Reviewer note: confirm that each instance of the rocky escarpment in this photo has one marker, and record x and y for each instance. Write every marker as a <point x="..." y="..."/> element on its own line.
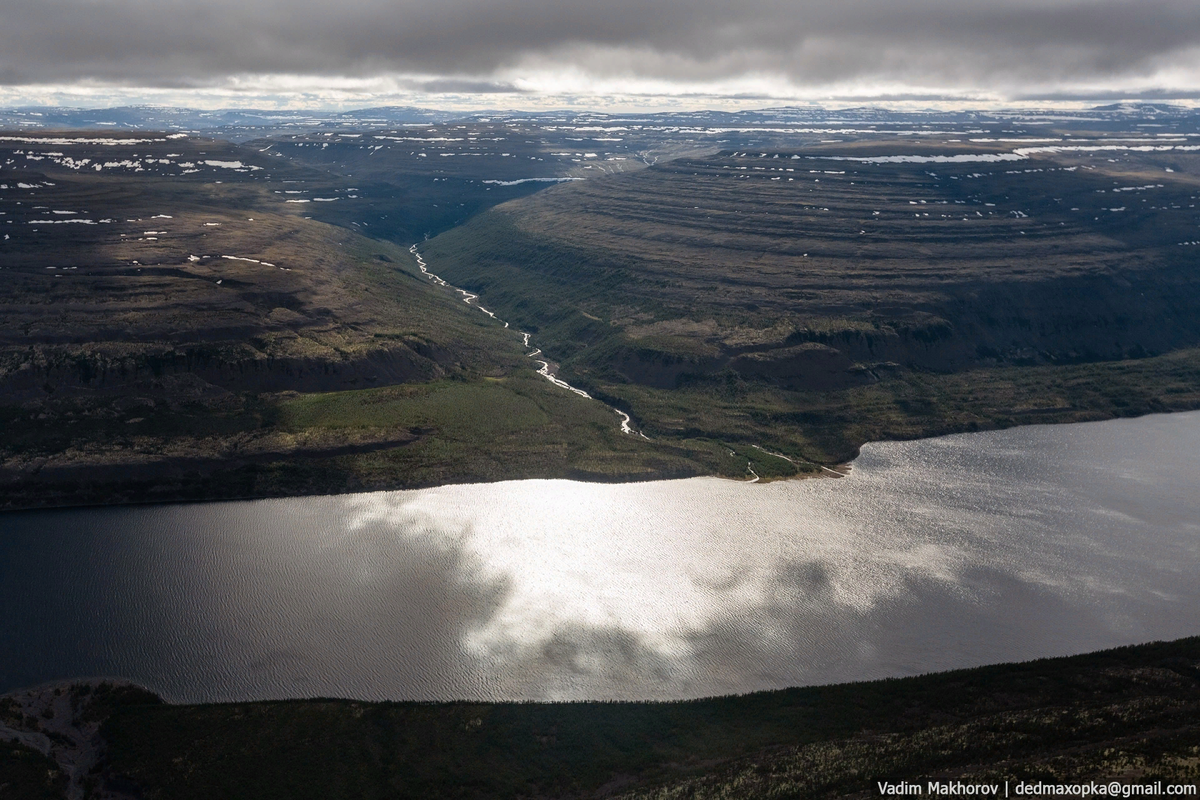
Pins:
<point x="1062" y="321"/>
<point x="707" y="267"/>
<point x="170" y="275"/>
<point x="109" y="369"/>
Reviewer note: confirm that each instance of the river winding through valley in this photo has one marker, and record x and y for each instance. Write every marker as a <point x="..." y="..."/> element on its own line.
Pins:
<point x="546" y="370"/>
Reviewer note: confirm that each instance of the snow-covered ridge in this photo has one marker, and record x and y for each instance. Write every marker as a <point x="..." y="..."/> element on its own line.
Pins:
<point x="62" y="141"/>
<point x="532" y="180"/>
<point x="134" y="163"/>
<point x="237" y="165"/>
<point x="1019" y="154"/>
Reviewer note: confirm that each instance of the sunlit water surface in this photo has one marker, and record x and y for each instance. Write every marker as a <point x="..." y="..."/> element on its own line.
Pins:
<point x="933" y="554"/>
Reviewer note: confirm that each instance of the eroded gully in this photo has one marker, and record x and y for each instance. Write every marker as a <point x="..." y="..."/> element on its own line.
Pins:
<point x="546" y="370"/>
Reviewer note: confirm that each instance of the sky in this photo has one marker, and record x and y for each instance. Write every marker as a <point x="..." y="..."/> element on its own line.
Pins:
<point x="618" y="53"/>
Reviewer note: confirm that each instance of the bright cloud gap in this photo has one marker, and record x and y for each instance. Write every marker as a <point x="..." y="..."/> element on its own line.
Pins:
<point x="290" y="92"/>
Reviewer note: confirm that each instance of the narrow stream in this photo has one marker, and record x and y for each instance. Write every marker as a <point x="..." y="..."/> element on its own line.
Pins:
<point x="546" y="370"/>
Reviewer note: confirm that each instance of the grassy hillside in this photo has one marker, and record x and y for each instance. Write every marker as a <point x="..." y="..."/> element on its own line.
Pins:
<point x="175" y="326"/>
<point x="1128" y="715"/>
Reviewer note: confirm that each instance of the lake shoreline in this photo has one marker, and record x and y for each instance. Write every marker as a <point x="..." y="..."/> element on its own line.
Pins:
<point x="82" y="494"/>
<point x="119" y="736"/>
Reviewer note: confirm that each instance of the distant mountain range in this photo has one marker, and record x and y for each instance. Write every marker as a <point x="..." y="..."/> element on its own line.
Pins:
<point x="190" y="119"/>
<point x="240" y="122"/>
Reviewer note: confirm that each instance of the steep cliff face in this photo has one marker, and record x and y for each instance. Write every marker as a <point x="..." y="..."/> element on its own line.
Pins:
<point x="38" y="372"/>
<point x="728" y="264"/>
<point x="810" y="365"/>
<point x="806" y="366"/>
<point x="1060" y="321"/>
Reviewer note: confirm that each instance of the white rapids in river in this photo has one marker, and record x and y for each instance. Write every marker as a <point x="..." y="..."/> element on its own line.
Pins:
<point x="545" y="370"/>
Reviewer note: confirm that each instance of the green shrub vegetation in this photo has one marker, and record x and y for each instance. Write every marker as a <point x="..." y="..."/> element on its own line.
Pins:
<point x="1129" y="714"/>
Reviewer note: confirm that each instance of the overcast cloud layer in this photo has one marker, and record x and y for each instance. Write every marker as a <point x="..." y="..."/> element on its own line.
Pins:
<point x="1004" y="47"/>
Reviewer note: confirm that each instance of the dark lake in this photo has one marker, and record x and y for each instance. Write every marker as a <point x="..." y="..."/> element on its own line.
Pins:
<point x="933" y="554"/>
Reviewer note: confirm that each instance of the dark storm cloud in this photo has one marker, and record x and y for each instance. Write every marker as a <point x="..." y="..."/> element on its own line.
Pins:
<point x="1149" y="96"/>
<point x="930" y="42"/>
